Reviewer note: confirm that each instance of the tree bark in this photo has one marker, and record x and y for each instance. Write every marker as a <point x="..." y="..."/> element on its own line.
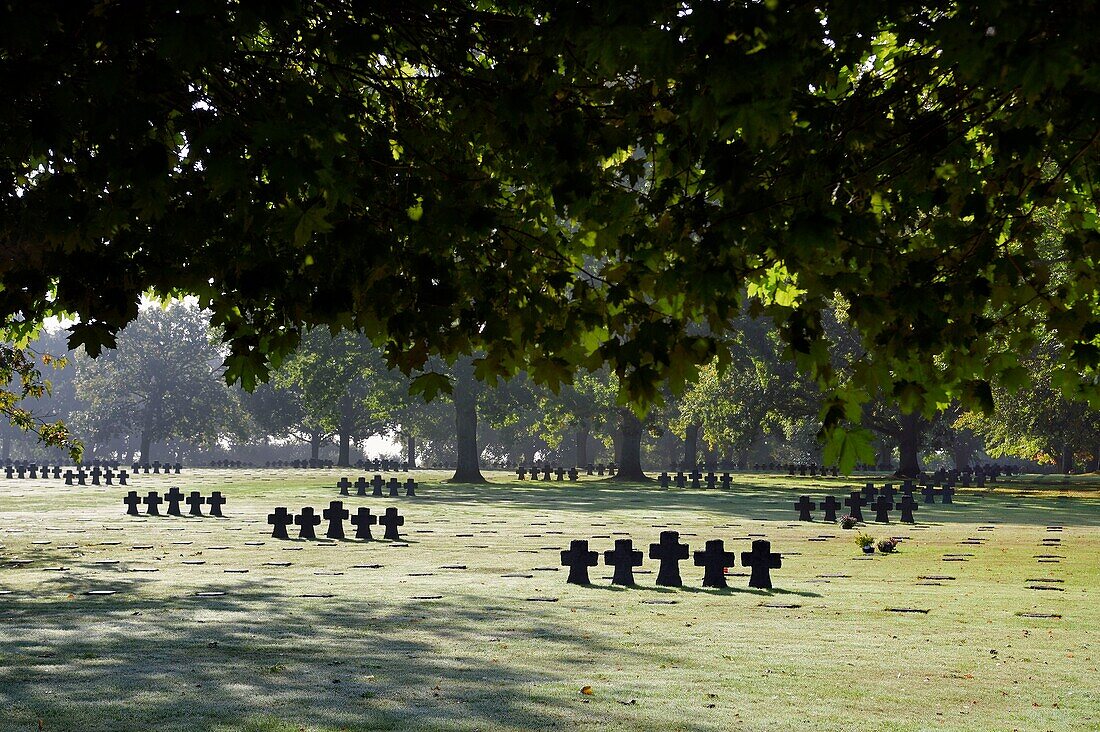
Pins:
<point x="630" y="456"/>
<point x="1067" y="458"/>
<point x="691" y="447"/>
<point x="410" y="451"/>
<point x="465" y="396"/>
<point x="912" y="430"/>
<point x="314" y="446"/>
<point x="582" y="445"/>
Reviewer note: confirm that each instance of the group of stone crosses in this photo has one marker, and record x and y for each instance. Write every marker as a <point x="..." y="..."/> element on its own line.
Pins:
<point x="97" y="475"/>
<point x="173" y="498"/>
<point x="670" y="552"/>
<point x="377" y="484"/>
<point x="881" y="501"/>
<point x="572" y="473"/>
<point x="812" y="470"/>
<point x="335" y="514"/>
<point x="156" y="468"/>
<point x="695" y="479"/>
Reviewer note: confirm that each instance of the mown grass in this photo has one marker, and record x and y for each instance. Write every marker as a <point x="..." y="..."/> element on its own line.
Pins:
<point x="324" y="645"/>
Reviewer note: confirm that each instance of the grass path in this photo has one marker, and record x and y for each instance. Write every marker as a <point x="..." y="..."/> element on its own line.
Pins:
<point x="469" y="624"/>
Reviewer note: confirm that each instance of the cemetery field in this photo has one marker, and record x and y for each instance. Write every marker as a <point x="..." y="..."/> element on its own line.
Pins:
<point x="985" y="619"/>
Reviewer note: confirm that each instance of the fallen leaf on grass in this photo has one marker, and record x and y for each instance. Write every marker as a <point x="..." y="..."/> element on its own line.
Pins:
<point x="586" y="690"/>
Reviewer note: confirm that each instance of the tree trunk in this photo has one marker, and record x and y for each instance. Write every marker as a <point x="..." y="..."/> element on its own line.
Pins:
<point x="630" y="456"/>
<point x="314" y="446"/>
<point x="147" y="422"/>
<point x="912" y="430"/>
<point x="582" y="446"/>
<point x="344" y="458"/>
<point x="1067" y="458"/>
<point x="465" y="397"/>
<point x="884" y="456"/>
<point x="691" y="447"/>
<point x="410" y="451"/>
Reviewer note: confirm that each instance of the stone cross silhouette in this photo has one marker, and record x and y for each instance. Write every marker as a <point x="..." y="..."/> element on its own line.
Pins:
<point x="307" y="519"/>
<point x="195" y="501"/>
<point x="377" y="483"/>
<point x="883" y="506"/>
<point x="279" y="521"/>
<point x="335" y="515"/>
<point x="363" y="520"/>
<point x="762" y="561"/>
<point x="395" y="488"/>
<point x="391" y="520"/>
<point x="929" y="494"/>
<point x="152" y="501"/>
<point x="948" y="493"/>
<point x="854" y="502"/>
<point x="361" y="486"/>
<point x="410" y="488"/>
<point x="343" y="485"/>
<point x="669" y="551"/>
<point x="131" y="500"/>
<point x="578" y="558"/>
<point x="907" y="505"/>
<point x="624" y="557"/>
<point x="215" y="502"/>
<point x="714" y="560"/>
<point x="804" y="506"/>
<point x="174" y="497"/>
<point x="830" y="505"/>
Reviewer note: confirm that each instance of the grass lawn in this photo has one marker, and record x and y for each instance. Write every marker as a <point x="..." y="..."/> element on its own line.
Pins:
<point x="469" y="624"/>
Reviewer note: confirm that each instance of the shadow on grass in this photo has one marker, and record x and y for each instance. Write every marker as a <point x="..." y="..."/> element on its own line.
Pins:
<point x="256" y="658"/>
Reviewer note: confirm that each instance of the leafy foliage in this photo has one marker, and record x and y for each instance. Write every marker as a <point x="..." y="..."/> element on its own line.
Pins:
<point x="563" y="187"/>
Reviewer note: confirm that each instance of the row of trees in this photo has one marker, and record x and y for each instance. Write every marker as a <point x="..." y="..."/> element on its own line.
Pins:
<point x="161" y="394"/>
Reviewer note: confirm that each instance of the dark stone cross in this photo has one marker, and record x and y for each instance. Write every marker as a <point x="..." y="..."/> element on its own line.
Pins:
<point x="377" y="483"/>
<point x="573" y="474"/>
<point x="670" y="552"/>
<point x="81" y="477"/>
<point x="34" y="471"/>
<point x="830" y="505"/>
<point x="727" y="479"/>
<point x="362" y="521"/>
<point x="108" y="477"/>
<point x="546" y="472"/>
<point x="762" y="561"/>
<point x="560" y="473"/>
<point x="96" y="473"/>
<point x="869" y="493"/>
<point x="681" y="479"/>
<point x="929" y="494"/>
<point x="307" y="519"/>
<point x="889" y="492"/>
<point x="122" y="477"/>
<point x="521" y="472"/>
<point x="410" y="488"/>
<point x="215" y="501"/>
<point x="279" y="521"/>
<point x="22" y="471"/>
<point x="395" y="488"/>
<point x="695" y="476"/>
<point x="131" y="500"/>
<point x="578" y="558"/>
<point x="343" y="485"/>
<point x="712" y="481"/>
<point x="907" y="506"/>
<point x="854" y="502"/>
<point x="624" y="557"/>
<point x="335" y="515"/>
<point x="152" y="501"/>
<point x="663" y="480"/>
<point x="361" y="486"/>
<point x="804" y="506"/>
<point x="714" y="560"/>
<point x="68" y="476"/>
<point x="883" y="506"/>
<point x="391" y="520"/>
<point x="195" y="501"/>
<point x="173" y="496"/>
<point x="948" y="493"/>
<point x="9" y="471"/>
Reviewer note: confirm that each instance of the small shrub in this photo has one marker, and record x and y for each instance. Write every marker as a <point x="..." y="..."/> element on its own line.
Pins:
<point x="864" y="540"/>
<point x="848" y="521"/>
<point x="887" y="546"/>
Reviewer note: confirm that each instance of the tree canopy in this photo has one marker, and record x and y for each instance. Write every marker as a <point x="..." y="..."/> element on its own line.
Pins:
<point x="566" y="186"/>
